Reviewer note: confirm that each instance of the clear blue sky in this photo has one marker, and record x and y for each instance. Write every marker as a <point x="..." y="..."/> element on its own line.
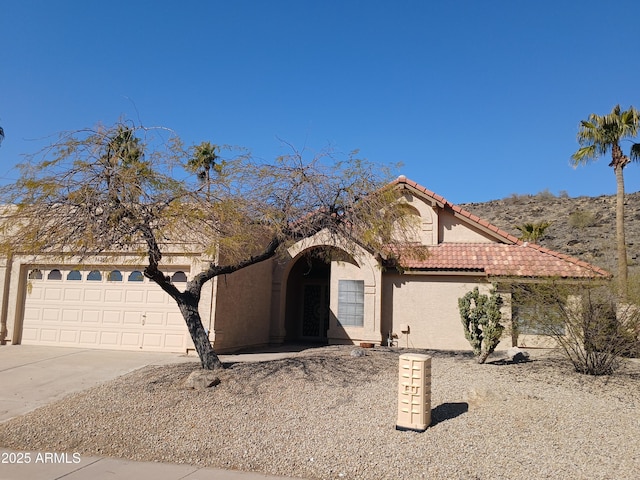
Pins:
<point x="478" y="99"/>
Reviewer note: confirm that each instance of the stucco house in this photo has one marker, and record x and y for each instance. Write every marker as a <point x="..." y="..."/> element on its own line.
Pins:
<point x="353" y="297"/>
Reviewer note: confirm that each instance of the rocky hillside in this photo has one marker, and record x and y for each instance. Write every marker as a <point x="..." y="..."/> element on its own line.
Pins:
<point x="583" y="227"/>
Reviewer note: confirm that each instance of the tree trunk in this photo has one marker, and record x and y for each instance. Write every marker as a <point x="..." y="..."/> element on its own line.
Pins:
<point x="620" y="235"/>
<point x="189" y="309"/>
<point x="482" y="357"/>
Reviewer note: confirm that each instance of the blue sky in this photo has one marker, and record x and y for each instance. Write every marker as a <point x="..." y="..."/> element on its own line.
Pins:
<point x="478" y="99"/>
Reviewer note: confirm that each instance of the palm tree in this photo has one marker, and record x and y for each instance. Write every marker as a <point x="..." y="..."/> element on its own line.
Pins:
<point x="204" y="160"/>
<point x="597" y="136"/>
<point x="532" y="232"/>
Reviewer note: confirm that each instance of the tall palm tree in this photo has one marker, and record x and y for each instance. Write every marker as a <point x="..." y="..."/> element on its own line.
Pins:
<point x="597" y="136"/>
<point x="204" y="161"/>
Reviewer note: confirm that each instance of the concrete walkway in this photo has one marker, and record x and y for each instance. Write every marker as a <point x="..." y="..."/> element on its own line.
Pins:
<point x="50" y="466"/>
<point x="33" y="376"/>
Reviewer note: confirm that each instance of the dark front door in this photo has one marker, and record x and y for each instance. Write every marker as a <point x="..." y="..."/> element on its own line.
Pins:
<point x="315" y="311"/>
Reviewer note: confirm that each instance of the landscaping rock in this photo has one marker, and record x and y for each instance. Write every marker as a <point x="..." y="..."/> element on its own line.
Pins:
<point x="517" y="355"/>
<point x="201" y="380"/>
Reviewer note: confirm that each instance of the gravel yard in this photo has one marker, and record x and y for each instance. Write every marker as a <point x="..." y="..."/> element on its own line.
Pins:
<point x="324" y="414"/>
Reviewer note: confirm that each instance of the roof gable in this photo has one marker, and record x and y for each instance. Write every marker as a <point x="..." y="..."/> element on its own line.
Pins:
<point x="505" y="256"/>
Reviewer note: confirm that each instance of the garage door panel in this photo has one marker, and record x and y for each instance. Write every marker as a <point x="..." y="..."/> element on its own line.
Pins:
<point x="175" y="319"/>
<point x="50" y="314"/>
<point x="36" y="291"/>
<point x="32" y="314"/>
<point x="89" y="337"/>
<point x="109" y="338"/>
<point x="157" y="298"/>
<point x="152" y="340"/>
<point x="29" y="335"/>
<point x="130" y="339"/>
<point x="48" y="335"/>
<point x="133" y="318"/>
<point x="53" y="294"/>
<point x="69" y="336"/>
<point x="70" y="315"/>
<point x="113" y="296"/>
<point x="91" y="316"/>
<point x="72" y="294"/>
<point x="154" y="318"/>
<point x="111" y="317"/>
<point x="130" y="315"/>
<point x="174" y="341"/>
<point x="134" y="296"/>
<point x="92" y="295"/>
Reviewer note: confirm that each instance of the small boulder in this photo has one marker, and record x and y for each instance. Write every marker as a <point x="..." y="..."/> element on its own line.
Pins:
<point x="517" y="355"/>
<point x="358" y="352"/>
<point x="201" y="380"/>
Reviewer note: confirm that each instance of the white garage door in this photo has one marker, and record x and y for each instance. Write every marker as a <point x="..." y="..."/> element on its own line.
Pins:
<point x="117" y="309"/>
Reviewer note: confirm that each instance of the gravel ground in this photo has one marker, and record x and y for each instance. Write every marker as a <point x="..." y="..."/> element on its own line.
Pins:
<point x="324" y="414"/>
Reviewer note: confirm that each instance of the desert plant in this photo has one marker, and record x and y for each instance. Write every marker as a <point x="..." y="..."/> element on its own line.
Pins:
<point x="581" y="219"/>
<point x="532" y="232"/>
<point x="586" y="321"/>
<point x="481" y="319"/>
<point x="545" y="195"/>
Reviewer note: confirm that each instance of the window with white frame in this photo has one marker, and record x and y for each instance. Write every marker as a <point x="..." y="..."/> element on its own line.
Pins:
<point x="351" y="303"/>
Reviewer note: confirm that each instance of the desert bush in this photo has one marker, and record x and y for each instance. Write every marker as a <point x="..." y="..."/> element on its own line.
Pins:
<point x="581" y="219"/>
<point x="517" y="199"/>
<point x="481" y="317"/>
<point x="587" y="322"/>
<point x="545" y="195"/>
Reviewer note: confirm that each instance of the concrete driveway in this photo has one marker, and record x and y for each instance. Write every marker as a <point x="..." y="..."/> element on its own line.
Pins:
<point x="32" y="376"/>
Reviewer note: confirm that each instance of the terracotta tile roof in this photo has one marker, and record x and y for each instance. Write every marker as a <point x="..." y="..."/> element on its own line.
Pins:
<point x="499" y="259"/>
<point x="508" y="256"/>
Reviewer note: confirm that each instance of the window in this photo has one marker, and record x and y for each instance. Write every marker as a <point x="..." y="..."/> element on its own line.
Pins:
<point x="179" y="277"/>
<point x="114" y="276"/>
<point x="74" y="275"/>
<point x="94" y="276"/>
<point x="537" y="320"/>
<point x="54" y="275"/>
<point x="135" y="276"/>
<point x="351" y="303"/>
<point x="35" y="274"/>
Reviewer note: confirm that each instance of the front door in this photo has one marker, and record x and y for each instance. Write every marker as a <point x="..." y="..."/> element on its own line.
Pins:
<point x="315" y="311"/>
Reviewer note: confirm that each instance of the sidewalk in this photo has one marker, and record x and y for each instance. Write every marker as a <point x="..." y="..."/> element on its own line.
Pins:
<point x="48" y="466"/>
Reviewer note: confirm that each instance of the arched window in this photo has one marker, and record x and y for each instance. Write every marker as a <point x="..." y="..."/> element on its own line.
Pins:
<point x="94" y="276"/>
<point x="54" y="275"/>
<point x="135" y="276"/>
<point x="114" y="276"/>
<point x="35" y="274"/>
<point x="74" y="275"/>
<point x="179" y="277"/>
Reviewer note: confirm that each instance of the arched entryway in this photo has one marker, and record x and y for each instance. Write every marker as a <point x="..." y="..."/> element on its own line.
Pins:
<point x="307" y="298"/>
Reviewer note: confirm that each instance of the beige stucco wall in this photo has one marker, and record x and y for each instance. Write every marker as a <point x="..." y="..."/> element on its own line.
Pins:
<point x="424" y="228"/>
<point x="370" y="330"/>
<point x="455" y="230"/>
<point x="429" y="306"/>
<point x="243" y="308"/>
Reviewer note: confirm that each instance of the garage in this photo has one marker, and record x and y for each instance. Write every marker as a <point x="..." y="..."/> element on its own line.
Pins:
<point x="114" y="308"/>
